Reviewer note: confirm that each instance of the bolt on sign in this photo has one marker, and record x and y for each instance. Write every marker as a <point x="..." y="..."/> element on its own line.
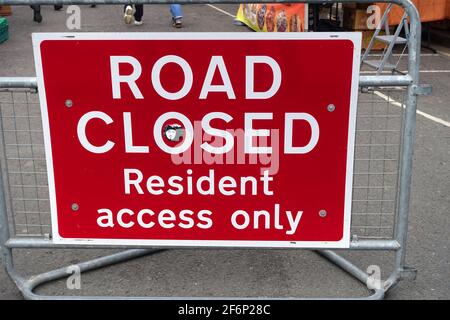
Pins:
<point x="199" y="139"/>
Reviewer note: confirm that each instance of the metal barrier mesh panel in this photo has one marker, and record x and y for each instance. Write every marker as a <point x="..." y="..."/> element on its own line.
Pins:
<point x="377" y="165"/>
<point x="377" y="153"/>
<point x="24" y="162"/>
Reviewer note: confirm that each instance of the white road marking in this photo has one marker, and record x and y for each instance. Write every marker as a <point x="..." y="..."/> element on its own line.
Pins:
<point x="220" y="10"/>
<point x="424" y="114"/>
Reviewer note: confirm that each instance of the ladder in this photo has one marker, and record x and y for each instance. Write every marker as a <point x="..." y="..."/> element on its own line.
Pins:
<point x="390" y="40"/>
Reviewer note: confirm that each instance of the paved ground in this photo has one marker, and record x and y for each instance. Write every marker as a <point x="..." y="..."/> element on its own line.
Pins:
<point x="250" y="272"/>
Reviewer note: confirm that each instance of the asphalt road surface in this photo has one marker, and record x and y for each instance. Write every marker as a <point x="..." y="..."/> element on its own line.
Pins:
<point x="211" y="272"/>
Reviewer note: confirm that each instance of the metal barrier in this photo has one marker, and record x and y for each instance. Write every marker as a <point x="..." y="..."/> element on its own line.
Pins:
<point x="382" y="176"/>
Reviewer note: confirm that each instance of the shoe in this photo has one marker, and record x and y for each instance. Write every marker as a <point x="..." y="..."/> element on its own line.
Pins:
<point x="128" y="15"/>
<point x="37" y="16"/>
<point x="137" y="23"/>
<point x="177" y="22"/>
<point x="57" y="7"/>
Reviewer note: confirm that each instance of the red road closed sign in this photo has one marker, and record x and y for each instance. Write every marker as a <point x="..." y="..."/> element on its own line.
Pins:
<point x="210" y="139"/>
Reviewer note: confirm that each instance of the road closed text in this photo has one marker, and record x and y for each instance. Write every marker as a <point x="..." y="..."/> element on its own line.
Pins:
<point x="217" y="64"/>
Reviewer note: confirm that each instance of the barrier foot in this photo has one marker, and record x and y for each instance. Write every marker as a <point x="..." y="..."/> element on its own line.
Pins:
<point x="354" y="271"/>
<point x="27" y="286"/>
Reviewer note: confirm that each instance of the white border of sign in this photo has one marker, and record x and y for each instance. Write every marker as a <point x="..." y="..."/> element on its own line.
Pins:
<point x="355" y="37"/>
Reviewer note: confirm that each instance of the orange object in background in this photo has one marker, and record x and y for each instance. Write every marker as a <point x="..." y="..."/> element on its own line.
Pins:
<point x="5" y="11"/>
<point x="447" y="5"/>
<point x="429" y="10"/>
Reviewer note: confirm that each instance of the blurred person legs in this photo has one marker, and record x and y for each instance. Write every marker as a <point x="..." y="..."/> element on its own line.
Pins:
<point x="135" y="13"/>
<point x="177" y="15"/>
<point x="128" y="14"/>
<point x="37" y="11"/>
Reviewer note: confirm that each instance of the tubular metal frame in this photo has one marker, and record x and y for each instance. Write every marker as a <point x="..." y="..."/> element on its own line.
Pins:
<point x="397" y="244"/>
